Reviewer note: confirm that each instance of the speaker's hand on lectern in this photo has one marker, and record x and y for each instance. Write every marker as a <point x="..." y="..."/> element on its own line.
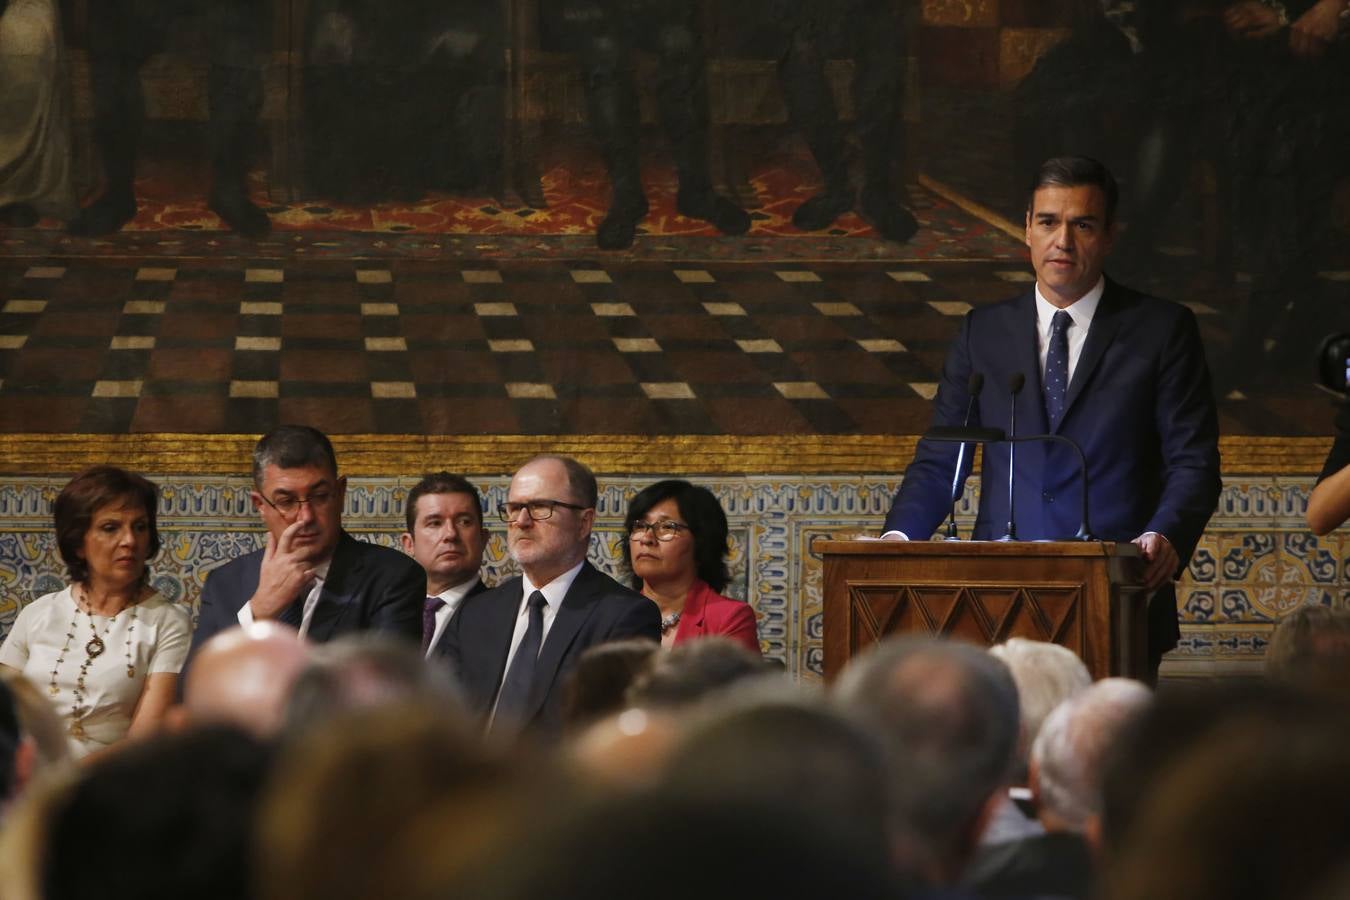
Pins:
<point x="1159" y="555"/>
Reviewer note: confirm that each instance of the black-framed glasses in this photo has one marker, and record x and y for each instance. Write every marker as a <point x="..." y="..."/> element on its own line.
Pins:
<point x="538" y="509"/>
<point x="289" y="506"/>
<point x="664" y="530"/>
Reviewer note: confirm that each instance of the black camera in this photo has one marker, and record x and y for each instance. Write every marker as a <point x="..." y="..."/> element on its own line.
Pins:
<point x="1333" y="363"/>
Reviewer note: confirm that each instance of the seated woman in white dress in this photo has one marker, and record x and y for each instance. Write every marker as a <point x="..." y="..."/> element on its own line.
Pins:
<point x="35" y="158"/>
<point x="107" y="648"/>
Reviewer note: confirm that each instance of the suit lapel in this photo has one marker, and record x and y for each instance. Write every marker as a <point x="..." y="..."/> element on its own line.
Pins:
<point x="695" y="609"/>
<point x="572" y="614"/>
<point x="337" y="597"/>
<point x="1031" y="402"/>
<point x="1105" y="324"/>
<point x="499" y="614"/>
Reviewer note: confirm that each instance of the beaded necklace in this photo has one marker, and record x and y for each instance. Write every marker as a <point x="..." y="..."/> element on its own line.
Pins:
<point x="93" y="649"/>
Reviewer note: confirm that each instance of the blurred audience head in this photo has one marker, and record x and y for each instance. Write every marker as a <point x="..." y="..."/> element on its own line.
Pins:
<point x="1178" y="719"/>
<point x="16" y="754"/>
<point x="668" y="844"/>
<point x="771" y="745"/>
<point x="1256" y="808"/>
<point x="162" y="819"/>
<point x="1046" y="675"/>
<point x="948" y="713"/>
<point x="346" y="810"/>
<point x="693" y="672"/>
<point x="363" y="671"/>
<point x="626" y="750"/>
<point x="39" y="725"/>
<point x="1069" y="753"/>
<point x="597" y="686"/>
<point x="1311" y="648"/>
<point x="243" y="677"/>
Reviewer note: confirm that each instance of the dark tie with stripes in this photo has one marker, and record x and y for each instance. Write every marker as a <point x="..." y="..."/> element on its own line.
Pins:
<point x="430" y="607"/>
<point x="1057" y="367"/>
<point x="515" y="695"/>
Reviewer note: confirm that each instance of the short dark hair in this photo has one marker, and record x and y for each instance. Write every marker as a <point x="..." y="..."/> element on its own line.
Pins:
<point x="706" y="520"/>
<point x="580" y="480"/>
<point x="292" y="447"/>
<point x="439" y="483"/>
<point x="1075" y="171"/>
<point x="694" y="672"/>
<point x="84" y="496"/>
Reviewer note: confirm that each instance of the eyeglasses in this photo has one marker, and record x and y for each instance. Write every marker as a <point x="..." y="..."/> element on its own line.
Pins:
<point x="289" y="506"/>
<point x="538" y="509"/>
<point x="664" y="530"/>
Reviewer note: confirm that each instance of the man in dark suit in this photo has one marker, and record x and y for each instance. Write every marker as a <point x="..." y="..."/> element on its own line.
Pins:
<point x="312" y="575"/>
<point x="1121" y="374"/>
<point x="512" y="646"/>
<point x="447" y="538"/>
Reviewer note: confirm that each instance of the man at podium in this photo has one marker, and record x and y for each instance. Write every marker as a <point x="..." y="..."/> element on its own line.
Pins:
<point x="1118" y="373"/>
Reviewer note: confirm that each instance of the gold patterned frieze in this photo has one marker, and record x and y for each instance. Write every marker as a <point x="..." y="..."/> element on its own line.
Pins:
<point x="393" y="455"/>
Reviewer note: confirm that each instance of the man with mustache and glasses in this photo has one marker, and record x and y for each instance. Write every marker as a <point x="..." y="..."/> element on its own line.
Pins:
<point x="311" y="575"/>
<point x="513" y="646"/>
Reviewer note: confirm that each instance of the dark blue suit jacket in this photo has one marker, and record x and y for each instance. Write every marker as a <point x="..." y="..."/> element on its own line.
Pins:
<point x="1140" y="405"/>
<point x="596" y="609"/>
<point x="368" y="588"/>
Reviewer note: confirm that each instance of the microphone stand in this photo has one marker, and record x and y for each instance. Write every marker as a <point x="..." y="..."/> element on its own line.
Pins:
<point x="1014" y="387"/>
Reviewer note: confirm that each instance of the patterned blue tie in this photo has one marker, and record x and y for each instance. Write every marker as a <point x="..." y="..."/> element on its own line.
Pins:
<point x="1057" y="367"/>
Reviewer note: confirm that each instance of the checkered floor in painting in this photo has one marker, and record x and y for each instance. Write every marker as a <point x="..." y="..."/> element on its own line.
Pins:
<point x="466" y="347"/>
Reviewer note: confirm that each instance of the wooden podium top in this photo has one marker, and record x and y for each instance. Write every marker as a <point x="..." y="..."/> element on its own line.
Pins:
<point x="1022" y="549"/>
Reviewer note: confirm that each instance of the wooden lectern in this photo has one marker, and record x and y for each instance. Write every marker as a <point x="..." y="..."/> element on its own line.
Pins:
<point x="1083" y="595"/>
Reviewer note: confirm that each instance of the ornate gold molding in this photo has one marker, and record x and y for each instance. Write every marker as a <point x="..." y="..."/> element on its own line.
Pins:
<point x="393" y="455"/>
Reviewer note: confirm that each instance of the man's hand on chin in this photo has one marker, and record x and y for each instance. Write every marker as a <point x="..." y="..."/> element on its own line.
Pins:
<point x="1160" y="558"/>
<point x="284" y="575"/>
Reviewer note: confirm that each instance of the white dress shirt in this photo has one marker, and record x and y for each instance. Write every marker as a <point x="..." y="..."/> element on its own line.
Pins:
<point x="452" y="596"/>
<point x="245" y="615"/>
<point x="553" y="592"/>
<point x="1081" y="311"/>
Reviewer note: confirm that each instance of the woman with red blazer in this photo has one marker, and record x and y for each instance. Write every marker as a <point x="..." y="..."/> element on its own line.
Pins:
<point x="676" y="549"/>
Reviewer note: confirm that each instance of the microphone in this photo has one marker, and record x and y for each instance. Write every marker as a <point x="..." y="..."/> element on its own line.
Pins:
<point x="1015" y="384"/>
<point x="973" y="387"/>
<point x="1084" y="530"/>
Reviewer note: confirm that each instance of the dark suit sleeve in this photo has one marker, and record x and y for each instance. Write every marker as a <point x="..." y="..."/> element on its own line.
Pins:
<point x="640" y="618"/>
<point x="924" y="497"/>
<point x="217" y="611"/>
<point x="1188" y="427"/>
<point x="396" y="607"/>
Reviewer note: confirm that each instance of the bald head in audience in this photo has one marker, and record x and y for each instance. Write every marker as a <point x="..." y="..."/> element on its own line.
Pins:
<point x="244" y="676"/>
<point x="948" y="713"/>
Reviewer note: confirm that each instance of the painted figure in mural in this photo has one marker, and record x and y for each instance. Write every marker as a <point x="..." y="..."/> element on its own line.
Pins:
<point x="123" y="34"/>
<point x="1124" y="377"/>
<point x="1288" y="129"/>
<point x="801" y="35"/>
<point x="397" y="105"/>
<point x="605" y="34"/>
<point x="35" y="159"/>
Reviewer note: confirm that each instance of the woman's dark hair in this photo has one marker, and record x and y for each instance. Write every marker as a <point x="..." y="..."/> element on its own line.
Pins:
<point x="705" y="518"/>
<point x="85" y="495"/>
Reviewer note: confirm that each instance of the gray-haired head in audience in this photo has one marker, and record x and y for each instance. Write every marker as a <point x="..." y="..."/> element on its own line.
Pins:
<point x="1069" y="754"/>
<point x="948" y="713"/>
<point x="1046" y="675"/>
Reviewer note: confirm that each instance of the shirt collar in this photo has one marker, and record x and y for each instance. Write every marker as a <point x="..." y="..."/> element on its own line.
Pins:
<point x="452" y="595"/>
<point x="321" y="570"/>
<point x="555" y="590"/>
<point x="1081" y="310"/>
